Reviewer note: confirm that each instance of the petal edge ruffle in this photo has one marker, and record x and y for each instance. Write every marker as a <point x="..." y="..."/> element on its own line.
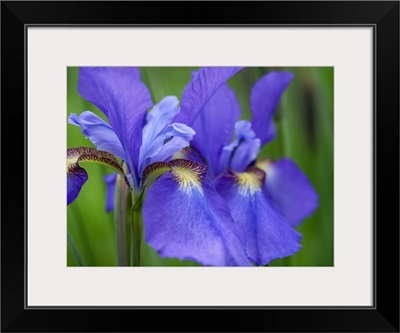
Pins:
<point x="268" y="235"/>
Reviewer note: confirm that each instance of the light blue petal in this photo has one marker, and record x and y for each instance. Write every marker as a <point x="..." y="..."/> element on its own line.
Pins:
<point x="175" y="137"/>
<point x="243" y="130"/>
<point x="157" y="119"/>
<point x="98" y="132"/>
<point x="169" y="141"/>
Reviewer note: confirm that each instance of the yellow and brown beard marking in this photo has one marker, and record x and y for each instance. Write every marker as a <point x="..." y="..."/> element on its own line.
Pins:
<point x="250" y="181"/>
<point x="188" y="174"/>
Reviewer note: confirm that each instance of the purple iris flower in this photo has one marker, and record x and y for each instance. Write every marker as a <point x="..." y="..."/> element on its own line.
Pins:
<point x="266" y="198"/>
<point x="183" y="214"/>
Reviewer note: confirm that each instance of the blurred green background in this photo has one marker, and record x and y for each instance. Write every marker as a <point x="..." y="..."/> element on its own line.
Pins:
<point x="304" y="122"/>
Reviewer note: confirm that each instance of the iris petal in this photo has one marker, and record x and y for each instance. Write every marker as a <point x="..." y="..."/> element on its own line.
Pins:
<point x="201" y="88"/>
<point x="157" y="119"/>
<point x="268" y="235"/>
<point x="77" y="176"/>
<point x="244" y="154"/>
<point x="241" y="152"/>
<point x="290" y="190"/>
<point x="93" y="79"/>
<point x="188" y="153"/>
<point x="184" y="217"/>
<point x="110" y="181"/>
<point x="248" y="146"/>
<point x="169" y="141"/>
<point x="214" y="126"/>
<point x="161" y="139"/>
<point x="172" y="139"/>
<point x="98" y="132"/>
<point x="264" y="99"/>
<point x="124" y="99"/>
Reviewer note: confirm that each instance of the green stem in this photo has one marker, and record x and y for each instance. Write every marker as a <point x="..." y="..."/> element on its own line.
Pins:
<point x="120" y="210"/>
<point x="78" y="258"/>
<point x="136" y="229"/>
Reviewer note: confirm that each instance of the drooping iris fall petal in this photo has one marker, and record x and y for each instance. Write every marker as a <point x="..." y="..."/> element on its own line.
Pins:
<point x="290" y="189"/>
<point x="264" y="99"/>
<point x="185" y="218"/>
<point x="77" y="176"/>
<point x="268" y="235"/>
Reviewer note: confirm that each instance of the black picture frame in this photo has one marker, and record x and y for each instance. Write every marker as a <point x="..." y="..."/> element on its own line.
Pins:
<point x="383" y="316"/>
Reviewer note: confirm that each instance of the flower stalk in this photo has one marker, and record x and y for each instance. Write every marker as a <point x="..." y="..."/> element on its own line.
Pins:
<point x="136" y="229"/>
<point x="120" y="218"/>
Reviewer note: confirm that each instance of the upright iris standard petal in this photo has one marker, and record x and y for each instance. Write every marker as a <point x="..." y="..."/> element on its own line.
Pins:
<point x="98" y="132"/>
<point x="110" y="181"/>
<point x="268" y="235"/>
<point x="170" y="140"/>
<point x="77" y="176"/>
<point x="241" y="152"/>
<point x="93" y="79"/>
<point x="197" y="93"/>
<point x="124" y="99"/>
<point x="289" y="189"/>
<point x="264" y="99"/>
<point x="248" y="146"/>
<point x="214" y="126"/>
<point x="157" y="119"/>
<point x="185" y="218"/>
<point x="161" y="139"/>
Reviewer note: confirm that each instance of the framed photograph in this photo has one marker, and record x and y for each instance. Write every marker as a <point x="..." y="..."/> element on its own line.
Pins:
<point x="243" y="168"/>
